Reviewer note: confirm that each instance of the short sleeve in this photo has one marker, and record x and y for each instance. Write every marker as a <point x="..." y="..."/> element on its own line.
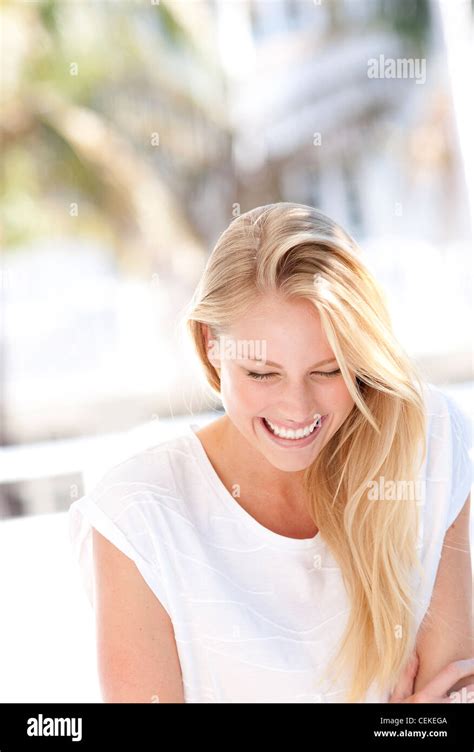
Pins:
<point x="462" y="474"/>
<point x="119" y="508"/>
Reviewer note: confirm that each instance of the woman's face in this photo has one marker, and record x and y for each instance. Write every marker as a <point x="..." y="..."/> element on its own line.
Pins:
<point x="289" y="394"/>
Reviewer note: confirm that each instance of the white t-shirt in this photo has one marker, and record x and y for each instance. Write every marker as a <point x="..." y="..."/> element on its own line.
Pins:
<point x="256" y="614"/>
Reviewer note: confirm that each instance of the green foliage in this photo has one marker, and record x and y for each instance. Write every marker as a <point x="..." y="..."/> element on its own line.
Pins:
<point x="47" y="13"/>
<point x="410" y="19"/>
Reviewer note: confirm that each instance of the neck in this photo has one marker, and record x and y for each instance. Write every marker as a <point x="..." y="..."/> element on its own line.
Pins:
<point x="264" y="477"/>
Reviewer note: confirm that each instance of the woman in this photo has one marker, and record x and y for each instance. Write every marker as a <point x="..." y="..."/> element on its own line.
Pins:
<point x="312" y="544"/>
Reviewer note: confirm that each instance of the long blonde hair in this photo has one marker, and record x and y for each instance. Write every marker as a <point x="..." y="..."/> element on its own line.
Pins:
<point x="299" y="252"/>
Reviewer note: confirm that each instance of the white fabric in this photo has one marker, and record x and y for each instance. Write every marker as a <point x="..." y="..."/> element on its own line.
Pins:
<point x="255" y="614"/>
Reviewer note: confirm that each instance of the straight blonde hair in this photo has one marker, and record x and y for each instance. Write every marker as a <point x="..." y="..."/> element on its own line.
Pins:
<point x="299" y="252"/>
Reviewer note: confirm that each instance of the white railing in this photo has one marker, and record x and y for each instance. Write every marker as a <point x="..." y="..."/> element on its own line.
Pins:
<point x="88" y="457"/>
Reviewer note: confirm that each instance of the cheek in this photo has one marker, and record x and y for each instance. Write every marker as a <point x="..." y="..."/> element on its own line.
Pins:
<point x="240" y="395"/>
<point x="343" y="397"/>
<point x="333" y="396"/>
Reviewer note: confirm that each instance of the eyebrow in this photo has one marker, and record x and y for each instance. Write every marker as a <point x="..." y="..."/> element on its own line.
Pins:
<point x="277" y="365"/>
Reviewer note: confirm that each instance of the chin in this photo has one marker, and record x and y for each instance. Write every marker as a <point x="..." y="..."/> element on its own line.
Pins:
<point x="290" y="467"/>
<point x="291" y="462"/>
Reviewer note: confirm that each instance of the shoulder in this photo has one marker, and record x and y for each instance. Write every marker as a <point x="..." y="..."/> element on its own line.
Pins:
<point x="446" y="477"/>
<point x="440" y="405"/>
<point x="150" y="473"/>
<point x="137" y="506"/>
<point x="448" y="424"/>
<point x="448" y="464"/>
<point x="437" y="402"/>
<point x="135" y="501"/>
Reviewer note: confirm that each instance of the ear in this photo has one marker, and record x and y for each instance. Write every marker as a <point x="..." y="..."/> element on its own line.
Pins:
<point x="212" y="346"/>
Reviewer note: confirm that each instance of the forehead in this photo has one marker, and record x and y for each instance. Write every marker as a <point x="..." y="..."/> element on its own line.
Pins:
<point x="273" y="310"/>
<point x="286" y="326"/>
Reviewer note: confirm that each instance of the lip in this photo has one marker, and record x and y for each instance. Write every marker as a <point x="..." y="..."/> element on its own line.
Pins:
<point x="293" y="443"/>
<point x="294" y="426"/>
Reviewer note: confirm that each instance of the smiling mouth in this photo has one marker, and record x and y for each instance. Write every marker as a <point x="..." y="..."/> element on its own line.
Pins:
<point x="293" y="438"/>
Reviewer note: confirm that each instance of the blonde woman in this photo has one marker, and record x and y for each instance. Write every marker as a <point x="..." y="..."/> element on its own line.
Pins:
<point x="312" y="543"/>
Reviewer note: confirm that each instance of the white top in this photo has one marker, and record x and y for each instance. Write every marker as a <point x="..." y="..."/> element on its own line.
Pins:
<point x="255" y="614"/>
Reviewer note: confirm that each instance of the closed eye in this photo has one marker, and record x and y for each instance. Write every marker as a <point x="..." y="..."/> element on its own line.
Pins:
<point x="266" y="376"/>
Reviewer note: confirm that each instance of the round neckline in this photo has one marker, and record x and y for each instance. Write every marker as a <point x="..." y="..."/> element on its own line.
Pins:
<point x="281" y="541"/>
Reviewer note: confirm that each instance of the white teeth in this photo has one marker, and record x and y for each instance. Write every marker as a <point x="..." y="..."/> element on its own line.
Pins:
<point x="289" y="433"/>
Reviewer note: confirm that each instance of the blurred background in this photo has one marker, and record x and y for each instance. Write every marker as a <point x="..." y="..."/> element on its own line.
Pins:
<point x="132" y="134"/>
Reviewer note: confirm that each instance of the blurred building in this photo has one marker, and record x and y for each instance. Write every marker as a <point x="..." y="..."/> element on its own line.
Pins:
<point x="212" y="109"/>
<point x="311" y="125"/>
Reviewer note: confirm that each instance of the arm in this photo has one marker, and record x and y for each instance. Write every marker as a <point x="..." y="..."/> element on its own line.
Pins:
<point x="446" y="633"/>
<point x="136" y="648"/>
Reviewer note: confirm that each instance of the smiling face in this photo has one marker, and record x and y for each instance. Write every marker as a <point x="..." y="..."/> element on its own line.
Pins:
<point x="305" y="384"/>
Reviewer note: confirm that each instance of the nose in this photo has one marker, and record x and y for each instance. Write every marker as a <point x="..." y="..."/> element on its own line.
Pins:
<point x="299" y="406"/>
